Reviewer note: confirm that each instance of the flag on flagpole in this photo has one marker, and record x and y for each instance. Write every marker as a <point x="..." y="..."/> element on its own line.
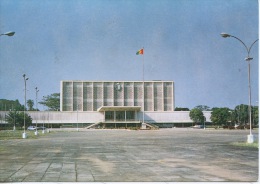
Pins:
<point x="141" y="51"/>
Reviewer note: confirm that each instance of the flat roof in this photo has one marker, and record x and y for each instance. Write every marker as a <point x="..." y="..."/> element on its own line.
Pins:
<point x="117" y="81"/>
<point x="119" y="108"/>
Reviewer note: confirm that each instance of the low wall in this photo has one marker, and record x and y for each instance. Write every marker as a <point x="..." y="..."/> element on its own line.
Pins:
<point x="54" y="117"/>
<point x="172" y="117"/>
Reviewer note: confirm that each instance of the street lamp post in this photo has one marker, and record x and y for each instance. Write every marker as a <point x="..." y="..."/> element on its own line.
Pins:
<point x="48" y="130"/>
<point x="204" y="123"/>
<point x="250" y="137"/>
<point x="14" y="119"/>
<point x="77" y="118"/>
<point x="43" y="128"/>
<point x="25" y="79"/>
<point x="11" y="33"/>
<point x="43" y="131"/>
<point x="36" y="90"/>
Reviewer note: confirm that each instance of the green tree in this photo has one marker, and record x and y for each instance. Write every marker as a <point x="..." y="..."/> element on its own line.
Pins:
<point x="6" y="105"/>
<point x="12" y="117"/>
<point x="30" y="104"/>
<point x="181" y="109"/>
<point x="220" y="116"/>
<point x="233" y="117"/>
<point x="203" y="107"/>
<point x="17" y="118"/>
<point x="28" y="120"/>
<point x="255" y="115"/>
<point x="51" y="101"/>
<point x="241" y="114"/>
<point x="196" y="115"/>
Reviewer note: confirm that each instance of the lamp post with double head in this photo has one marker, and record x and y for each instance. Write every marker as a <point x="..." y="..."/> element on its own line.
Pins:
<point x="250" y="137"/>
<point x="25" y="79"/>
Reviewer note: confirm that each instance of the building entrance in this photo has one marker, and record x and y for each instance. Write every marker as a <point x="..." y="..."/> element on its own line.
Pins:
<point x="119" y="116"/>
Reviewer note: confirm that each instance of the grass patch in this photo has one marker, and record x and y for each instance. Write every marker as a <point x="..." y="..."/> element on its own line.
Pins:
<point x="245" y="144"/>
<point x="17" y="134"/>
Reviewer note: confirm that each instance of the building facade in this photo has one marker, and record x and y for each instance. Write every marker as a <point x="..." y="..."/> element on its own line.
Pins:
<point x="125" y="103"/>
<point x="92" y="95"/>
<point x="117" y="100"/>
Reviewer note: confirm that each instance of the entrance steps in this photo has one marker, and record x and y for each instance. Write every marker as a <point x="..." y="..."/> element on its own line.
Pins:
<point x="90" y="126"/>
<point x="144" y="126"/>
<point x="149" y="126"/>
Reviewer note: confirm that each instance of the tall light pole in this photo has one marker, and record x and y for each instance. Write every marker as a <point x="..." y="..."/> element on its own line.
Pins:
<point x="36" y="90"/>
<point x="204" y="123"/>
<point x="77" y="117"/>
<point x="14" y="119"/>
<point x="25" y="79"/>
<point x="11" y="33"/>
<point x="43" y="131"/>
<point x="250" y="137"/>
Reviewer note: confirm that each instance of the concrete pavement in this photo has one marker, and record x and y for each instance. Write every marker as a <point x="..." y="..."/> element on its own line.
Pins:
<point x="165" y="155"/>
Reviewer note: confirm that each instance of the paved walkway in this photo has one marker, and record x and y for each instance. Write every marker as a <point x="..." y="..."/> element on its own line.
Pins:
<point x="165" y="155"/>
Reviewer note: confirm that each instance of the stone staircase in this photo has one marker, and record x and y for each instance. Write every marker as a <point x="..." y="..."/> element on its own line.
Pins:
<point x="149" y="126"/>
<point x="92" y="125"/>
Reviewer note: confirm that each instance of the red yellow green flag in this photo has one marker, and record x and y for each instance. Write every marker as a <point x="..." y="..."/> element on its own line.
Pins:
<point x="141" y="51"/>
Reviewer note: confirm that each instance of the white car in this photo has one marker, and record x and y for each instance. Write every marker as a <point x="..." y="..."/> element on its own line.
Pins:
<point x="31" y="128"/>
<point x="198" y="126"/>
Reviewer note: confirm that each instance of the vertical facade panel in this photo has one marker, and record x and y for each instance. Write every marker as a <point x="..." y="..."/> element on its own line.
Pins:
<point x="108" y="94"/>
<point x="129" y="94"/>
<point x="97" y="95"/>
<point x="77" y="96"/>
<point x="87" y="96"/>
<point x="118" y="94"/>
<point x="168" y="98"/>
<point x="148" y="96"/>
<point x="173" y="97"/>
<point x="67" y="96"/>
<point x="138" y="94"/>
<point x="158" y="96"/>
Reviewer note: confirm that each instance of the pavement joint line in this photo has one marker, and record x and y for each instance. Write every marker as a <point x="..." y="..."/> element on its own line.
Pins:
<point x="17" y="171"/>
<point x="45" y="171"/>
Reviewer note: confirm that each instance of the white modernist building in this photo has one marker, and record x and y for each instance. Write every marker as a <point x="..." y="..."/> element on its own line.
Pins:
<point x="115" y="102"/>
<point x="118" y="101"/>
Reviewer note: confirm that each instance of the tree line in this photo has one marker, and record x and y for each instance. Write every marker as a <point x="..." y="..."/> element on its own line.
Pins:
<point x="50" y="102"/>
<point x="16" y="115"/>
<point x="224" y="115"/>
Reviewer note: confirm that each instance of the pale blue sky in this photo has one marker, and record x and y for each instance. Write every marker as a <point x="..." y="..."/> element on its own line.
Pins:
<point x="97" y="40"/>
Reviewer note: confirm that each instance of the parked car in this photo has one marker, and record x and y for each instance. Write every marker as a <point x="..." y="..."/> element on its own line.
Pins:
<point x="31" y="128"/>
<point x="41" y="128"/>
<point x="198" y="126"/>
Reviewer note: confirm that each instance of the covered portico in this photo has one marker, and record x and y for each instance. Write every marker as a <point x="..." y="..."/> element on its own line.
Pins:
<point x="120" y="114"/>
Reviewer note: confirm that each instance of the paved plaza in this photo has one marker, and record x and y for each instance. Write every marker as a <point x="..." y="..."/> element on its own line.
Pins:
<point x="165" y="155"/>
